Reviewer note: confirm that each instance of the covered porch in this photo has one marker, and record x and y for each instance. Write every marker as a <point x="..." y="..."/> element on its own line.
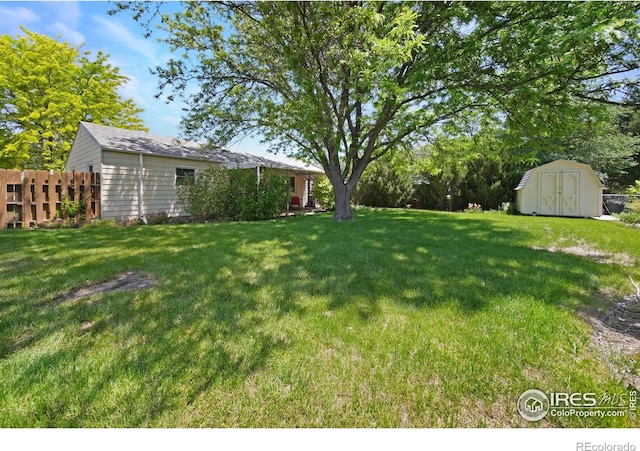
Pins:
<point x="301" y="179"/>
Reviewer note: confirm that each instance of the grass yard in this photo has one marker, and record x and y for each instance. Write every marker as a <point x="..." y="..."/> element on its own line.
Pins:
<point x="398" y="319"/>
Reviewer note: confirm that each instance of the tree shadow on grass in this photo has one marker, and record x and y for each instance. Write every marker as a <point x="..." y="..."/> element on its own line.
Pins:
<point x="215" y="317"/>
<point x="199" y="326"/>
<point x="428" y="259"/>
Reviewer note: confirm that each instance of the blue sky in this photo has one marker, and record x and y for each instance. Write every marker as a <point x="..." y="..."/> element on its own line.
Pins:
<point x="87" y="23"/>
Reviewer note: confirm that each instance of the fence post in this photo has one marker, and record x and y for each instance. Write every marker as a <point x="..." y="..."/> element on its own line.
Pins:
<point x="77" y="192"/>
<point x="14" y="210"/>
<point x="28" y="189"/>
<point x="52" y="193"/>
<point x="95" y="194"/>
<point x="88" y="195"/>
<point x="40" y="200"/>
<point x="3" y="198"/>
<point x="66" y="178"/>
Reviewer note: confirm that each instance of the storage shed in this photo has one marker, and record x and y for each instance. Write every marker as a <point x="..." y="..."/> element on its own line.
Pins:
<point x="560" y="188"/>
<point x="138" y="171"/>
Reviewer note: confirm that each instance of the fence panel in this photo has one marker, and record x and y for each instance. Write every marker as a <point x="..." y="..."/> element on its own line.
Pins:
<point x="615" y="203"/>
<point x="12" y="208"/>
<point x="30" y="198"/>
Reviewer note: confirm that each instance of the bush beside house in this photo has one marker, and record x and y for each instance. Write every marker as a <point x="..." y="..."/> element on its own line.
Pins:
<point x="234" y="195"/>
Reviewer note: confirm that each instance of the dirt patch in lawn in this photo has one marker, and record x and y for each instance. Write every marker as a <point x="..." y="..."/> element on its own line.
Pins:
<point x="617" y="335"/>
<point x="127" y="281"/>
<point x="587" y="251"/>
<point x="617" y="332"/>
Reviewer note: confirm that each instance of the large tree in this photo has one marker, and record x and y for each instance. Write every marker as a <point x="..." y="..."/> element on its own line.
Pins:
<point x="343" y="83"/>
<point x="47" y="87"/>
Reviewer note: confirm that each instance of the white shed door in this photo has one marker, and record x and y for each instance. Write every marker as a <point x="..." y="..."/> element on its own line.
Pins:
<point x="559" y="193"/>
<point x="548" y="193"/>
<point x="570" y="193"/>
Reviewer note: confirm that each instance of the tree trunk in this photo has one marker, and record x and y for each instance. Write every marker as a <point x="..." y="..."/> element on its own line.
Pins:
<point x="343" y="203"/>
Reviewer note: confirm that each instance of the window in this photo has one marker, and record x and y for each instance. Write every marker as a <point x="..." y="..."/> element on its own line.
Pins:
<point x="184" y="174"/>
<point x="292" y="183"/>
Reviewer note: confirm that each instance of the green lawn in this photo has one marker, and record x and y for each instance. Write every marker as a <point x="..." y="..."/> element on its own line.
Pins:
<point x="398" y="319"/>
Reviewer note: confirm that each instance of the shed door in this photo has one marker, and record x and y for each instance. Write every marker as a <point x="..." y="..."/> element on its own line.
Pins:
<point x="570" y="193"/>
<point x="549" y="190"/>
<point x="559" y="193"/>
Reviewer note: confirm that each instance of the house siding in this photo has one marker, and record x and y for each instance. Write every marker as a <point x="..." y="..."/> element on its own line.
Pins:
<point x="85" y="152"/>
<point x="120" y="184"/>
<point x="159" y="183"/>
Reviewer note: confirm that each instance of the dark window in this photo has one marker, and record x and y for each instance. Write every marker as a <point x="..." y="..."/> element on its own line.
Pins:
<point x="292" y="183"/>
<point x="184" y="174"/>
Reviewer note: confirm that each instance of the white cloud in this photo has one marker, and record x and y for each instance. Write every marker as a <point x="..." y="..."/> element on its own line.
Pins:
<point x="65" y="19"/>
<point x="67" y="34"/>
<point x="68" y="12"/>
<point x="137" y="90"/>
<point x="62" y="19"/>
<point x="161" y="118"/>
<point x="116" y="31"/>
<point x="165" y="124"/>
<point x="12" y="18"/>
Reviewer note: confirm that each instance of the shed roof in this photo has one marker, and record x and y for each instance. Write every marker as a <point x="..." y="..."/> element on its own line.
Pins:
<point x="524" y="179"/>
<point x="137" y="141"/>
<point x="527" y="175"/>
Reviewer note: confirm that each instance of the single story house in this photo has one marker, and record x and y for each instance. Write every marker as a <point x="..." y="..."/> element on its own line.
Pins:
<point x="560" y="188"/>
<point x="138" y="171"/>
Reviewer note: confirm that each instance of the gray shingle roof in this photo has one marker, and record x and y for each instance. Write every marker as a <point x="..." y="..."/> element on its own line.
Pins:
<point x="136" y="141"/>
<point x="524" y="180"/>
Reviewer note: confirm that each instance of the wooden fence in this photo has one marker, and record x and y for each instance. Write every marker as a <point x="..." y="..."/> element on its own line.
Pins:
<point x="30" y="198"/>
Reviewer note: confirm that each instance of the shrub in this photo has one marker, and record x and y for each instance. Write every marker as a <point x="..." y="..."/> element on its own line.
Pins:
<point x="158" y="218"/>
<point x="323" y="192"/>
<point x="634" y="189"/>
<point x="383" y="186"/>
<point x="234" y="195"/>
<point x="509" y="208"/>
<point x="631" y="214"/>
<point x="69" y="208"/>
<point x="203" y="195"/>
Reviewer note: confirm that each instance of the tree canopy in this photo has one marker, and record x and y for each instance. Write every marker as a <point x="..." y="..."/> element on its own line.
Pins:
<point x="344" y="83"/>
<point x="484" y="164"/>
<point x="47" y="88"/>
<point x="603" y="145"/>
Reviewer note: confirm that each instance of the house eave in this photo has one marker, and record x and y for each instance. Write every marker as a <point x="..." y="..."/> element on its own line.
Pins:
<point x="158" y="154"/>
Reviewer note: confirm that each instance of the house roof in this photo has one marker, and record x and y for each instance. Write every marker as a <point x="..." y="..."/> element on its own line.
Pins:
<point x="137" y="141"/>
